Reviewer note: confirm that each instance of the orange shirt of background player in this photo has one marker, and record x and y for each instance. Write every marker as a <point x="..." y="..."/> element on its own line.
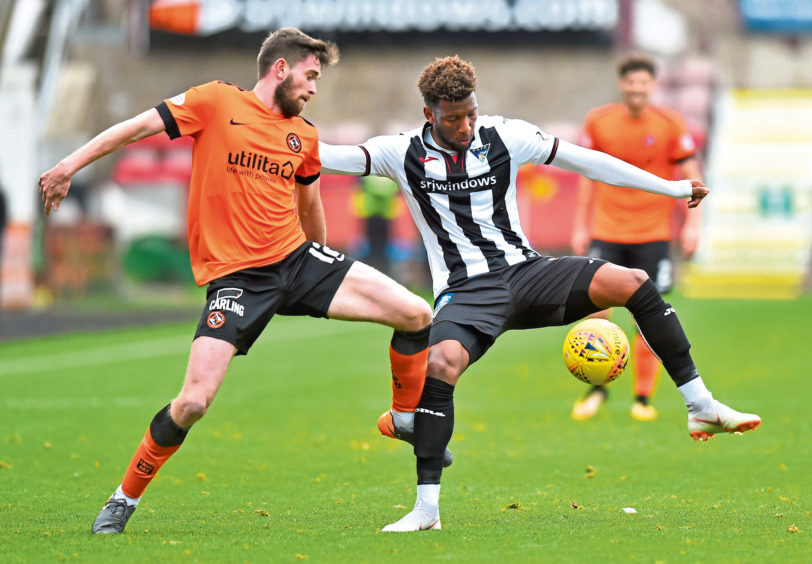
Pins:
<point x="656" y="141"/>
<point x="247" y="159"/>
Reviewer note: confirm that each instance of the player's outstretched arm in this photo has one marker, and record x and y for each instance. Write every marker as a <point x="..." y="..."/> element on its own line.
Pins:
<point x="55" y="183"/>
<point x="610" y="170"/>
<point x="343" y="159"/>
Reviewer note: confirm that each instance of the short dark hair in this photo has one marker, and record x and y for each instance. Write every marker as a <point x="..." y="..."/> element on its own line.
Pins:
<point x="294" y="46"/>
<point x="636" y="62"/>
<point x="449" y="78"/>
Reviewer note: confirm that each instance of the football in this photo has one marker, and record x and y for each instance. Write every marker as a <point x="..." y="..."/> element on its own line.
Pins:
<point x="596" y="351"/>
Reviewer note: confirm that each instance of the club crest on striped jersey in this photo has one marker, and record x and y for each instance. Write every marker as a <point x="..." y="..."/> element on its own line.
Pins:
<point x="481" y="152"/>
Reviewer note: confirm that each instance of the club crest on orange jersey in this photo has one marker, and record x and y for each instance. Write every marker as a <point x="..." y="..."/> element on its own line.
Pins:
<point x="216" y="319"/>
<point x="294" y="142"/>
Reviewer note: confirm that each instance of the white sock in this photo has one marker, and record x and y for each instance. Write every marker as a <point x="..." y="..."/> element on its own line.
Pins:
<point x="119" y="494"/>
<point x="695" y="393"/>
<point x="429" y="494"/>
<point x="403" y="420"/>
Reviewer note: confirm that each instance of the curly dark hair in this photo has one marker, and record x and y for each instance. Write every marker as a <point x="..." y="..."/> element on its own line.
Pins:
<point x="294" y="46"/>
<point x="636" y="62"/>
<point x="449" y="78"/>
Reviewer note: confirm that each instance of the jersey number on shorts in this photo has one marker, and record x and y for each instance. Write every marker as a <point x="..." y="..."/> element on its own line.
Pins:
<point x="325" y="253"/>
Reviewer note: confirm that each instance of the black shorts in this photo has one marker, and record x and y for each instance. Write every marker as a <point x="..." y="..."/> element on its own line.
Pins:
<point x="239" y="305"/>
<point x="539" y="292"/>
<point x="654" y="258"/>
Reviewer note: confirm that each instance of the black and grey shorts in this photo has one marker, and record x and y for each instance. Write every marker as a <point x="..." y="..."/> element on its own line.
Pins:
<point x="539" y="292"/>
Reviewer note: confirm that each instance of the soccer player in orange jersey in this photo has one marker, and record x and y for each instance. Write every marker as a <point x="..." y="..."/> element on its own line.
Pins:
<point x="629" y="227"/>
<point x="257" y="236"/>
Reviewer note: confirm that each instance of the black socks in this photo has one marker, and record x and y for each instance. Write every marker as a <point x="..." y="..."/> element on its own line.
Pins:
<point x="433" y="426"/>
<point x="660" y="327"/>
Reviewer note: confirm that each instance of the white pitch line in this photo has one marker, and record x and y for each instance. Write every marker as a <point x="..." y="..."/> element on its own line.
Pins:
<point x="155" y="348"/>
<point x="77" y="403"/>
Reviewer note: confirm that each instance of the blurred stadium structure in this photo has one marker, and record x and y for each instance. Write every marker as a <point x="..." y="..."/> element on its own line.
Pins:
<point x="739" y="70"/>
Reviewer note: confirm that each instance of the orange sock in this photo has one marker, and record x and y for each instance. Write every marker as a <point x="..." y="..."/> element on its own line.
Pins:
<point x="646" y="366"/>
<point x="147" y="460"/>
<point x="161" y="440"/>
<point x="408" y="356"/>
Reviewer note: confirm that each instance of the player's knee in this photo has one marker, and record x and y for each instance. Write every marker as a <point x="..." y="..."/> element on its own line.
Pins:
<point x="190" y="408"/>
<point x="418" y="315"/>
<point x="637" y="277"/>
<point x="424" y="314"/>
<point x="442" y="367"/>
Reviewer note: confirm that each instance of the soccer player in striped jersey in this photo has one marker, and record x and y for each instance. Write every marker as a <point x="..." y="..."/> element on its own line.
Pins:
<point x="257" y="236"/>
<point x="458" y="174"/>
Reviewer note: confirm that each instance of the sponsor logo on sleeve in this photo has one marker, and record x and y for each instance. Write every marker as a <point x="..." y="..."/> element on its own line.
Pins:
<point x="687" y="142"/>
<point x="179" y="99"/>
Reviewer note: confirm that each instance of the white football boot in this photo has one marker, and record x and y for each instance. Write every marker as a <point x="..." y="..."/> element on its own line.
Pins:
<point x="422" y="518"/>
<point x="716" y="417"/>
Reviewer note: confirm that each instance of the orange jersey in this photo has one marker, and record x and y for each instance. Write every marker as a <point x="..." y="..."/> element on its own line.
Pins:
<point x="656" y="141"/>
<point x="246" y="162"/>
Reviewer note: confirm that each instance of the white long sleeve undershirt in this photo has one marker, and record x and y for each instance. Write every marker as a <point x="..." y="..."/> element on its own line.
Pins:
<point x="352" y="160"/>
<point x="610" y="170"/>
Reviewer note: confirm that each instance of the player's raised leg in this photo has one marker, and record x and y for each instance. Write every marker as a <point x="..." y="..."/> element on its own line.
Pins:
<point x="208" y="363"/>
<point x="657" y="321"/>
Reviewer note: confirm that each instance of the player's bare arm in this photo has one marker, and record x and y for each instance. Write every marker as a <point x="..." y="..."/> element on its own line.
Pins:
<point x="311" y="212"/>
<point x="55" y="183"/>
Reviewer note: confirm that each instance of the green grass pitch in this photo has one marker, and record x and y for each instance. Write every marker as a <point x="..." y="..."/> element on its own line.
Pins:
<point x="288" y="465"/>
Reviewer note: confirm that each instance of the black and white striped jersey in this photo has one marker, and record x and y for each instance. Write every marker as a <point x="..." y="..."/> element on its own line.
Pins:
<point x="464" y="205"/>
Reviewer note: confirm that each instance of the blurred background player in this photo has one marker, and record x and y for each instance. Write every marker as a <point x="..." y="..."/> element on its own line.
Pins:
<point x="256" y="238"/>
<point x="378" y="205"/>
<point x="629" y="227"/>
